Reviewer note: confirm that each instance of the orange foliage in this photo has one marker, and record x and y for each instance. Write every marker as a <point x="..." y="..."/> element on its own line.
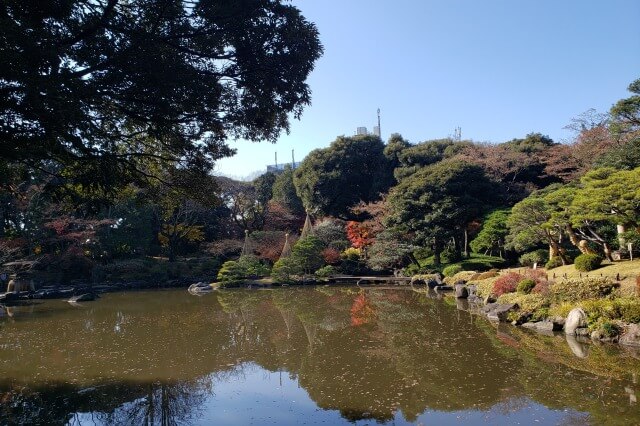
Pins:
<point x="362" y="311"/>
<point x="359" y="234"/>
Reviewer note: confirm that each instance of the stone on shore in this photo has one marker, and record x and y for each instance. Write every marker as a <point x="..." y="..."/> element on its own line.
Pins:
<point x="499" y="311"/>
<point x="461" y="291"/>
<point x="576" y="318"/>
<point x="630" y="335"/>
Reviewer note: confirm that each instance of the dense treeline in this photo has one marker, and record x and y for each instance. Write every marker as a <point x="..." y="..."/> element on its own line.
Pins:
<point x="374" y="206"/>
<point x="113" y="114"/>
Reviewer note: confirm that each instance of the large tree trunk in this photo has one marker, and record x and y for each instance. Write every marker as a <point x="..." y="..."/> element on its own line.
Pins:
<point x="607" y="251"/>
<point x="456" y="248"/>
<point x="466" y="243"/>
<point x="621" y="241"/>
<point x="437" y="249"/>
<point x="580" y="244"/>
<point x="555" y="250"/>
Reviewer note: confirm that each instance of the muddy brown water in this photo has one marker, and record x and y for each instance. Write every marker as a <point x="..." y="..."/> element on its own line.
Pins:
<point x="313" y="355"/>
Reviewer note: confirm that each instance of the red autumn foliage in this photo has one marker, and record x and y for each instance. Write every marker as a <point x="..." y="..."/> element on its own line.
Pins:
<point x="331" y="256"/>
<point x="507" y="283"/>
<point x="362" y="311"/>
<point x="281" y="218"/>
<point x="359" y="234"/>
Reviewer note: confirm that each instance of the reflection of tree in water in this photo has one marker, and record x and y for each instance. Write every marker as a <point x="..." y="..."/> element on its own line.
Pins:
<point x="163" y="404"/>
<point x="412" y="354"/>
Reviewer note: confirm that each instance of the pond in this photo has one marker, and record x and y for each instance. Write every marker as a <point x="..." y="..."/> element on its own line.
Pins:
<point x="312" y="355"/>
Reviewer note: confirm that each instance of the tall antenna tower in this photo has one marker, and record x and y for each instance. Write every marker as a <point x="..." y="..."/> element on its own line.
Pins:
<point x="379" y="128"/>
<point x="457" y="134"/>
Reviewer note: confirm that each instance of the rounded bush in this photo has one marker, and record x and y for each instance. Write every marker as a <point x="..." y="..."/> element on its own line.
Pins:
<point x="538" y="256"/>
<point x="451" y="270"/>
<point x="587" y="262"/>
<point x="525" y="286"/>
<point x="554" y="262"/>
<point x="325" y="271"/>
<point x="230" y="271"/>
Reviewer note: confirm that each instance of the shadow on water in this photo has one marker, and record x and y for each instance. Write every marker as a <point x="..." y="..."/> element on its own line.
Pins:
<point x="355" y="354"/>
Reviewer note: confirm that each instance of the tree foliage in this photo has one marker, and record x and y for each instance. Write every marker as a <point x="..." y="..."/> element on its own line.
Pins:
<point x="352" y="169"/>
<point x="493" y="234"/>
<point x="103" y="87"/>
<point x="437" y="202"/>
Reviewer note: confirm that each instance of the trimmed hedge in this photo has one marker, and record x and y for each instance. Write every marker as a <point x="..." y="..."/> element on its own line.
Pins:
<point x="451" y="270"/>
<point x="525" y="286"/>
<point x="587" y="262"/>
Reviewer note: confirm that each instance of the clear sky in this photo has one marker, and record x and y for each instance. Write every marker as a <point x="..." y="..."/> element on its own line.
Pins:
<point x="499" y="69"/>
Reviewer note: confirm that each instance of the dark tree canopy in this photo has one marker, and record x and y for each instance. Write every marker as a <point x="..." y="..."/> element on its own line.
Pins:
<point x="413" y="158"/>
<point x="352" y="169"/>
<point x="437" y="202"/>
<point x="111" y="84"/>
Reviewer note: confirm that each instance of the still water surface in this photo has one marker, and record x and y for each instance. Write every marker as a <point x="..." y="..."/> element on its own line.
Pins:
<point x="299" y="356"/>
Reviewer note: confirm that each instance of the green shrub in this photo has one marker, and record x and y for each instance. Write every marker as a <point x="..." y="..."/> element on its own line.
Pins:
<point x="606" y="328"/>
<point x="525" y="286"/>
<point x="460" y="276"/>
<point x="231" y="272"/>
<point x="587" y="262"/>
<point x="628" y="308"/>
<point x="610" y="329"/>
<point x="252" y="267"/>
<point x="283" y="271"/>
<point x="554" y="262"/>
<point x="534" y="304"/>
<point x="577" y="289"/>
<point x="538" y="256"/>
<point x="414" y="269"/>
<point x="325" y="271"/>
<point x="561" y="309"/>
<point x="451" y="270"/>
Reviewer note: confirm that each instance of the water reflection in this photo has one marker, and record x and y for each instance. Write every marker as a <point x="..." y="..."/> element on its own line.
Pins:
<point x="342" y="354"/>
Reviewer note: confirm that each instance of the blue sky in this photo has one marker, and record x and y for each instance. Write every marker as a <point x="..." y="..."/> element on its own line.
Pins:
<point x="499" y="69"/>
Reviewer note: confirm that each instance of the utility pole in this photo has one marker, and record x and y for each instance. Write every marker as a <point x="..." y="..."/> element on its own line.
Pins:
<point x="379" y="128"/>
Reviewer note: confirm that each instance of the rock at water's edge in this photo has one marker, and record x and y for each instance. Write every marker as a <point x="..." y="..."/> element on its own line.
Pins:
<point x="461" y="291"/>
<point x="631" y="335"/>
<point x="576" y="318"/>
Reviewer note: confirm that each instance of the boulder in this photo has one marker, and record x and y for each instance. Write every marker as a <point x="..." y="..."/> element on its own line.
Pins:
<point x="630" y="335"/>
<point x="545" y="327"/>
<point x="461" y="291"/>
<point x="499" y="312"/>
<point x="489" y="299"/>
<point x="576" y="318"/>
<point x="472" y="289"/>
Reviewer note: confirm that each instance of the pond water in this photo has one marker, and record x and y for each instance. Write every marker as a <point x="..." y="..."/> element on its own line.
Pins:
<point x="317" y="355"/>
